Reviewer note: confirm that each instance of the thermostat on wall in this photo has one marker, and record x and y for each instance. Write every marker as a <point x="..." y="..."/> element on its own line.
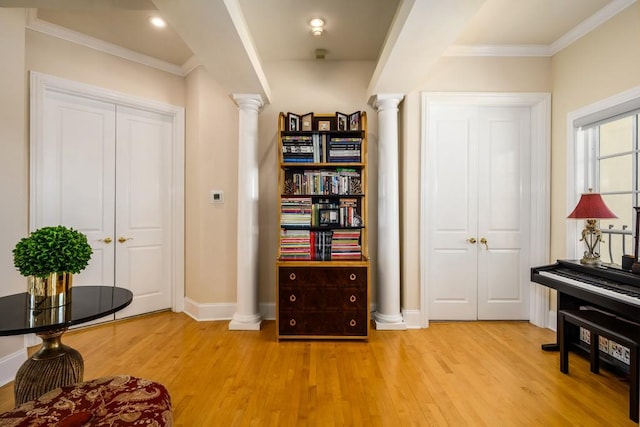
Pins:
<point x="217" y="196"/>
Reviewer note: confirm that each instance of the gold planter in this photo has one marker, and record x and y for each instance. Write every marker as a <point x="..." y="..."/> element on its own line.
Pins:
<point x="51" y="291"/>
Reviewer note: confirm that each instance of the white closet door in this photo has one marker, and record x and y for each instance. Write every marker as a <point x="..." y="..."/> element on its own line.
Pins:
<point x="106" y="170"/>
<point x="478" y="212"/>
<point x="503" y="218"/>
<point x="453" y="210"/>
<point x="75" y="176"/>
<point x="143" y="209"/>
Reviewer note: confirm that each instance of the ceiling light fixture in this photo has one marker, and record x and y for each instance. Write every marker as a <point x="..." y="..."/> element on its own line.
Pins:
<point x="157" y="22"/>
<point x="317" y="26"/>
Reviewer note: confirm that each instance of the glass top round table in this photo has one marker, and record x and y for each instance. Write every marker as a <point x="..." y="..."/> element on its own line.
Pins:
<point x="55" y="364"/>
<point x="87" y="303"/>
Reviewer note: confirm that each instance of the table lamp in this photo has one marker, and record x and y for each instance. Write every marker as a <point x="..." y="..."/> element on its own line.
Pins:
<point x="591" y="208"/>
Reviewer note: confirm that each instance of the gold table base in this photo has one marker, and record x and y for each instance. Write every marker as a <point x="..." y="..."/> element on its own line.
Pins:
<point x="53" y="365"/>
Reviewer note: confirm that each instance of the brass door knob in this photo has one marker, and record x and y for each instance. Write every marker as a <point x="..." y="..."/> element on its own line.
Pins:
<point x="471" y="240"/>
<point x="485" y="243"/>
<point x="106" y="240"/>
<point x="124" y="239"/>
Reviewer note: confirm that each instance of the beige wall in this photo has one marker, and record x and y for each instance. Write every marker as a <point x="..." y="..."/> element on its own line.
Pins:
<point x="302" y="87"/>
<point x="60" y="58"/>
<point x="603" y="63"/>
<point x="211" y="164"/>
<point x="450" y="74"/>
<point x="13" y="157"/>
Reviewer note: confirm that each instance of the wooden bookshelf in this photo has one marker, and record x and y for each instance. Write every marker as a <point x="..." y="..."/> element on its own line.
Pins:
<point x="322" y="268"/>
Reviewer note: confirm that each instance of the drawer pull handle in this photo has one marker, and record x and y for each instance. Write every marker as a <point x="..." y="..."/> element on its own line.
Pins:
<point x="292" y="322"/>
<point x="352" y="276"/>
<point x="292" y="276"/>
<point x="292" y="298"/>
<point x="352" y="298"/>
<point x="352" y="323"/>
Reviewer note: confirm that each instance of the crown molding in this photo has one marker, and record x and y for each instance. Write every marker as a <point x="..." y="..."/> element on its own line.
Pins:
<point x="590" y="24"/>
<point x="53" y="30"/>
<point x="191" y="64"/>
<point x="497" y="50"/>
<point x="580" y="30"/>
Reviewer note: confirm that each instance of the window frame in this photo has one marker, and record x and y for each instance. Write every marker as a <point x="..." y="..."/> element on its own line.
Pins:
<point x="581" y="174"/>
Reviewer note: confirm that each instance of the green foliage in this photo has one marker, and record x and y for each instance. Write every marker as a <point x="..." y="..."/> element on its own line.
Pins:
<point x="52" y="250"/>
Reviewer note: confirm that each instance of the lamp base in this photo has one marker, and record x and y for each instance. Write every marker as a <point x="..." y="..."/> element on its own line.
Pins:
<point x="592" y="261"/>
<point x="592" y="236"/>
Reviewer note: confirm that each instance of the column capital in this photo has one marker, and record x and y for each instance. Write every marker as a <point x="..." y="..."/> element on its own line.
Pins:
<point x="386" y="101"/>
<point x="248" y="101"/>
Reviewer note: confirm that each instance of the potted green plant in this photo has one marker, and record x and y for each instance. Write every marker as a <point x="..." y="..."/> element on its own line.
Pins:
<point x="49" y="257"/>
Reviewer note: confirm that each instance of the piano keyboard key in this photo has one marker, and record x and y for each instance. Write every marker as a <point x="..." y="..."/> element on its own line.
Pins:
<point x="596" y="286"/>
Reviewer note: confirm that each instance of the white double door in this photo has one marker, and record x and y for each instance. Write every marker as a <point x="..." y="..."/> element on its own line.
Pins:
<point x="478" y="210"/>
<point x="105" y="169"/>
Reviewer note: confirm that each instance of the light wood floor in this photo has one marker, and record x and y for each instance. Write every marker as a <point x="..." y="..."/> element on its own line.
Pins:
<point x="451" y="374"/>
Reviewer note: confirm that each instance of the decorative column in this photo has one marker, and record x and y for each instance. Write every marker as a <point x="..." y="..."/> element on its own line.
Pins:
<point x="388" y="316"/>
<point x="247" y="315"/>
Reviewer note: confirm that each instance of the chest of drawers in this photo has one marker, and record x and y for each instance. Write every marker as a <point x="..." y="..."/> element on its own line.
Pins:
<point x="323" y="302"/>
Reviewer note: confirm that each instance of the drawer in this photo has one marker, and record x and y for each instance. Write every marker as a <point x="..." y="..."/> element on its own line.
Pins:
<point x="337" y="276"/>
<point x="320" y="297"/>
<point x="311" y="322"/>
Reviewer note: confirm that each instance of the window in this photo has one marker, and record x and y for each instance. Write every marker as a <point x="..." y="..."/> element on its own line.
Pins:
<point x="609" y="148"/>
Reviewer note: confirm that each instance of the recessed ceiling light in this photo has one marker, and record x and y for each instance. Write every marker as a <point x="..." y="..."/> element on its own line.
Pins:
<point x="157" y="22"/>
<point x="317" y="26"/>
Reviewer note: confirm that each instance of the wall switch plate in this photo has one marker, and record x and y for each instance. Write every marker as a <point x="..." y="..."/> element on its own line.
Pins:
<point x="217" y="196"/>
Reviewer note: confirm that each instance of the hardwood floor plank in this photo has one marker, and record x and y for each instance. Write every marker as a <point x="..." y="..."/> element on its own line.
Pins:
<point x="451" y="374"/>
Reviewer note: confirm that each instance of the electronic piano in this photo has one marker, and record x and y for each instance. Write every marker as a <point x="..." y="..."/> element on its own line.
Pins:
<point x="605" y="287"/>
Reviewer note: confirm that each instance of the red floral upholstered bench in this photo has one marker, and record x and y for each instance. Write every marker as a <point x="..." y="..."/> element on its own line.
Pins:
<point x="110" y="401"/>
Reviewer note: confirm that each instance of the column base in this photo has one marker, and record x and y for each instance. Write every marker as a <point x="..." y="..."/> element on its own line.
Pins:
<point x="385" y="322"/>
<point x="241" y="322"/>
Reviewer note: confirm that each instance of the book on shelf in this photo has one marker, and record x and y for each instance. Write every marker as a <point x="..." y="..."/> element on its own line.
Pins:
<point x="295" y="211"/>
<point x="295" y="244"/>
<point x="297" y="149"/>
<point x="321" y="148"/>
<point x="345" y="244"/>
<point x="321" y="245"/>
<point x="334" y="245"/>
<point x="344" y="150"/>
<point x="323" y="182"/>
<point x="349" y="213"/>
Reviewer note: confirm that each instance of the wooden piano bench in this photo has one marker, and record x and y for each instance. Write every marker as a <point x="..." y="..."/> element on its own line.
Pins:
<point x="608" y="326"/>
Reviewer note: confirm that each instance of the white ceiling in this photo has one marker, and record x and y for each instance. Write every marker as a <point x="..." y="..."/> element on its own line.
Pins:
<point x="233" y="38"/>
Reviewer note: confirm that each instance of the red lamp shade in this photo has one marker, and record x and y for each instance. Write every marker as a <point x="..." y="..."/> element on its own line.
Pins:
<point x="591" y="206"/>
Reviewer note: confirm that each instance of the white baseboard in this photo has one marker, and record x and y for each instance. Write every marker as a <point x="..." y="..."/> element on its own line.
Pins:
<point x="412" y="318"/>
<point x="222" y="311"/>
<point x="209" y="311"/>
<point x="10" y="364"/>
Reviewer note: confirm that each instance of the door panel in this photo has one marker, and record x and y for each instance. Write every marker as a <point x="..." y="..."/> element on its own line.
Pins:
<point x="453" y="258"/>
<point x="143" y="205"/>
<point x="76" y="176"/>
<point x="503" y="218"/>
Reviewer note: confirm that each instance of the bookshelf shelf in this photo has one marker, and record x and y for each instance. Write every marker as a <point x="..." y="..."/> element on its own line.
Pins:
<point x="322" y="265"/>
